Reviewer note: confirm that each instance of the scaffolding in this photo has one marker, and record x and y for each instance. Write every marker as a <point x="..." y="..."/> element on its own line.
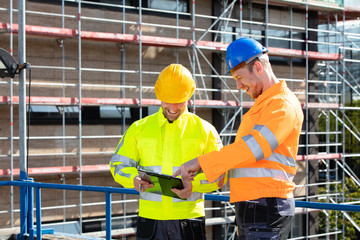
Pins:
<point x="88" y="55"/>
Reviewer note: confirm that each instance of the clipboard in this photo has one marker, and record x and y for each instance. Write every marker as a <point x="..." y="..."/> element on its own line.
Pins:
<point x="162" y="183"/>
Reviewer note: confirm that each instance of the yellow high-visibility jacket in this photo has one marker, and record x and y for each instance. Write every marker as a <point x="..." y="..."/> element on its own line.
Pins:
<point x="262" y="158"/>
<point x="156" y="144"/>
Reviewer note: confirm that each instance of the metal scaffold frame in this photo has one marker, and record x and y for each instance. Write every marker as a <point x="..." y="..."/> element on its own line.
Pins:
<point x="323" y="93"/>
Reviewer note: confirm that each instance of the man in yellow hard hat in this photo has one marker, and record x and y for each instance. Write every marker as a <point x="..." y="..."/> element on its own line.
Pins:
<point x="161" y="143"/>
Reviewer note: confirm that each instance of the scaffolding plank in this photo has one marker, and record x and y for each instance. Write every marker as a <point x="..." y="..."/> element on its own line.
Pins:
<point x="56" y="170"/>
<point x="109" y="101"/>
<point x="319" y="156"/>
<point x="283" y="52"/>
<point x="352" y="12"/>
<point x="109" y="37"/>
<point x="48" y="100"/>
<point x="41" y="31"/>
<point x="4" y="99"/>
<point x="220" y="103"/>
<point x="159" y="41"/>
<point x="42" y="170"/>
<point x="323" y="105"/>
<point x="95" y="168"/>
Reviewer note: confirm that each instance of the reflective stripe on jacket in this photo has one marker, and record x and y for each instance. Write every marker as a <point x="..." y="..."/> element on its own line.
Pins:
<point x="157" y="145"/>
<point x="261" y="161"/>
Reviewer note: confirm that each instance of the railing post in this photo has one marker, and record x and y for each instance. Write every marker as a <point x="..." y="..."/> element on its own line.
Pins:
<point x="38" y="213"/>
<point x="23" y="212"/>
<point x="108" y="215"/>
<point x="30" y="212"/>
<point x="22" y="121"/>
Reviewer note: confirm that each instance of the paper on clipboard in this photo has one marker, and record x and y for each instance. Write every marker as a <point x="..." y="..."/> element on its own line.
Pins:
<point x="162" y="183"/>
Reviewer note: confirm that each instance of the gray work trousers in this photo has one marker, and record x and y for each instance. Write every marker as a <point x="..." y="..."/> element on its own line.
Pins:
<point x="185" y="229"/>
<point x="264" y="218"/>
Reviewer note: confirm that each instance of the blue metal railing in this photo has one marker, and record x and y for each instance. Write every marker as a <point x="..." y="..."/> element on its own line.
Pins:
<point x="28" y="186"/>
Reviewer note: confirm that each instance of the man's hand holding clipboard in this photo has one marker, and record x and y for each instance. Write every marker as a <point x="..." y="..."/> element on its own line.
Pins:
<point x="162" y="184"/>
<point x="142" y="185"/>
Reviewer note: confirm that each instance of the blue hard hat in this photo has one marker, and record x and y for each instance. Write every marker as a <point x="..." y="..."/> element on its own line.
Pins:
<point x="243" y="50"/>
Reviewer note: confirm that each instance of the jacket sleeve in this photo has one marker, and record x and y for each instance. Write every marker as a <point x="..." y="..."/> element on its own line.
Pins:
<point x="200" y="183"/>
<point x="276" y="122"/>
<point x="124" y="162"/>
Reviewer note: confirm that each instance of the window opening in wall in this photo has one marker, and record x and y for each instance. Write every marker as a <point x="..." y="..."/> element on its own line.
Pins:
<point x="91" y="115"/>
<point x="52" y="114"/>
<point x="282" y="39"/>
<point x="171" y="5"/>
<point x="181" y="6"/>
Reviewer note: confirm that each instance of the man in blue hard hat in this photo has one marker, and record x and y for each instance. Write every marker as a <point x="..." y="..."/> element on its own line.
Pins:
<point x="261" y="161"/>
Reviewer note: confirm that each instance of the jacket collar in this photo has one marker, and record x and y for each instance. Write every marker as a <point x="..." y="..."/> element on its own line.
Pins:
<point x="270" y="91"/>
<point x="162" y="119"/>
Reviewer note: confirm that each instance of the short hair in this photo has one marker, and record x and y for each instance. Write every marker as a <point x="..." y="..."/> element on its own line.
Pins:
<point x="264" y="59"/>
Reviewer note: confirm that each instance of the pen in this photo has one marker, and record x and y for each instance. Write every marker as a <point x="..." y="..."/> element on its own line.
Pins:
<point x="139" y="187"/>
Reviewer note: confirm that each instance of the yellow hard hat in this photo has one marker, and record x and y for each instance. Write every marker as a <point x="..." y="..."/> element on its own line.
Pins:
<point x="174" y="84"/>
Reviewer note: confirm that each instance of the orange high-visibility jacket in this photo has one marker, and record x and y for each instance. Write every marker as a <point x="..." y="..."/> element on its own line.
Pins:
<point x="261" y="161"/>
